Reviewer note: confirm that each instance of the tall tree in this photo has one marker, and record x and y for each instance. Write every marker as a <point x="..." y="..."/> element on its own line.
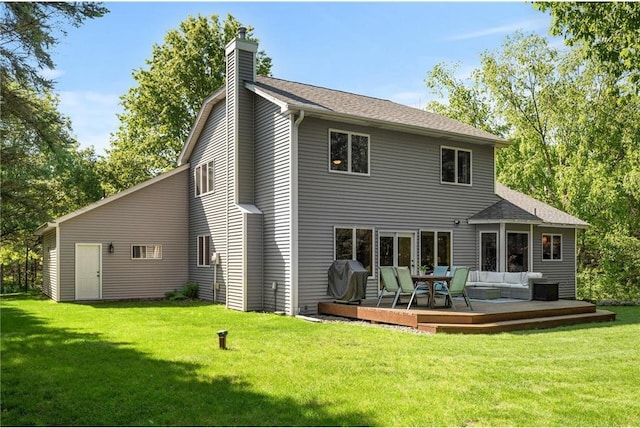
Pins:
<point x="610" y="30"/>
<point x="43" y="172"/>
<point x="160" y="110"/>
<point x="575" y="145"/>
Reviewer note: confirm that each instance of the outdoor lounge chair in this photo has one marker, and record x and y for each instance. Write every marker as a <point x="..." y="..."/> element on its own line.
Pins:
<point x="456" y="287"/>
<point x="389" y="284"/>
<point x="407" y="286"/>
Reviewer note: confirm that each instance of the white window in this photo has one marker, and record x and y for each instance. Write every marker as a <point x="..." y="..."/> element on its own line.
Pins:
<point x="551" y="247"/>
<point x="354" y="244"/>
<point x="348" y="152"/>
<point x="435" y="249"/>
<point x="455" y="165"/>
<point x="204" y="250"/>
<point x="146" y="252"/>
<point x="203" y="178"/>
<point x="517" y="251"/>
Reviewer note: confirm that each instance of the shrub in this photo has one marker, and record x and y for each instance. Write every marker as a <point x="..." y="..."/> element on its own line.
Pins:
<point x="188" y="291"/>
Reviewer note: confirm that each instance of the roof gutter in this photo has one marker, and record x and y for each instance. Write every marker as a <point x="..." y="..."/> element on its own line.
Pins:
<point x="359" y="120"/>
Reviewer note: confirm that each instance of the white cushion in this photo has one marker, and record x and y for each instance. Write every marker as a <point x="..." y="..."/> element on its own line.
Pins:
<point x="534" y="274"/>
<point x="513" y="277"/>
<point x="495" y="277"/>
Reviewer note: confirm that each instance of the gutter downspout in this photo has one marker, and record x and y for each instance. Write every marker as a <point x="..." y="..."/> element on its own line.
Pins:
<point x="293" y="153"/>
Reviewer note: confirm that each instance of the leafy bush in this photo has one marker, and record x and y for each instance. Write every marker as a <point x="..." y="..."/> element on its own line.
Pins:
<point x="188" y="291"/>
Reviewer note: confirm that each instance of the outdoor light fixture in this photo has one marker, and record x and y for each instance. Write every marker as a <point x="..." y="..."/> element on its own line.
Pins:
<point x="111" y="249"/>
<point x="456" y="222"/>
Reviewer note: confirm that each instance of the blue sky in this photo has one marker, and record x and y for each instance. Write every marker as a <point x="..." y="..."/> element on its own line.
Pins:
<point x="380" y="49"/>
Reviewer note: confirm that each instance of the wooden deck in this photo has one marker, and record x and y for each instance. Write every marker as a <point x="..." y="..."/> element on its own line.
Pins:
<point x="485" y="318"/>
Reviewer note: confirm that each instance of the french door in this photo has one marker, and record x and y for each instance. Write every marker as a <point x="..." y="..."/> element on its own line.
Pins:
<point x="397" y="249"/>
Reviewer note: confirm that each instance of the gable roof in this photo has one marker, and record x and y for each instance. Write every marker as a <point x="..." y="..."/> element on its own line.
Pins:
<point x="334" y="104"/>
<point x="293" y="97"/>
<point x="50" y="225"/>
<point x="516" y="207"/>
<point x="548" y="214"/>
<point x="504" y="211"/>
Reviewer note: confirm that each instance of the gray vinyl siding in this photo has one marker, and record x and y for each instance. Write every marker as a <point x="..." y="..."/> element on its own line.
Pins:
<point x="402" y="193"/>
<point x="244" y="159"/>
<point x="50" y="265"/>
<point x="235" y="228"/>
<point x="207" y="213"/>
<point x="253" y="238"/>
<point x="563" y="270"/>
<point x="273" y="198"/>
<point x="156" y="214"/>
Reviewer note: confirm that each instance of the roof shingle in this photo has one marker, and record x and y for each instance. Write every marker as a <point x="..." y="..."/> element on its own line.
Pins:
<point x="299" y="96"/>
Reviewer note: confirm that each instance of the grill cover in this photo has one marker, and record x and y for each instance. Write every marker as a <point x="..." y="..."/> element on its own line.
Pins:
<point x="347" y="280"/>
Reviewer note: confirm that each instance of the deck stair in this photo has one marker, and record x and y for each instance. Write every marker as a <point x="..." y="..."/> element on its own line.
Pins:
<point x="486" y="317"/>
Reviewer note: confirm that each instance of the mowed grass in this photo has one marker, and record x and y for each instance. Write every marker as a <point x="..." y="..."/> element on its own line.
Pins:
<point x="158" y="363"/>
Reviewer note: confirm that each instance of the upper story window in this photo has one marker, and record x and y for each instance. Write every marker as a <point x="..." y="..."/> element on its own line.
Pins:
<point x="455" y="165"/>
<point x="204" y="178"/>
<point x="551" y="247"/>
<point x="142" y="252"/>
<point x="348" y="152"/>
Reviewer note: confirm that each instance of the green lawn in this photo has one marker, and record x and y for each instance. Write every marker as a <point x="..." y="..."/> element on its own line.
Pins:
<point x="158" y="363"/>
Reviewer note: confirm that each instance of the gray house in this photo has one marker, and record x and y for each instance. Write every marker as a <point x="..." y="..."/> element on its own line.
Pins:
<point x="282" y="178"/>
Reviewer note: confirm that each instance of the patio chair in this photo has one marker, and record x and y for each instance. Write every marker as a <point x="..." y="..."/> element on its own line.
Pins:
<point x="389" y="284"/>
<point x="407" y="285"/>
<point x="439" y="271"/>
<point x="456" y="287"/>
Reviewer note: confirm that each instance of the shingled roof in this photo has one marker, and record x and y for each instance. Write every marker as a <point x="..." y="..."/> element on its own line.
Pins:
<point x="547" y="213"/>
<point x="516" y="207"/>
<point x="330" y="103"/>
<point x="504" y="210"/>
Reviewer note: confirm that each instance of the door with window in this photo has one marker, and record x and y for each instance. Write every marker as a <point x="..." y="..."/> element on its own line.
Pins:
<point x="397" y="249"/>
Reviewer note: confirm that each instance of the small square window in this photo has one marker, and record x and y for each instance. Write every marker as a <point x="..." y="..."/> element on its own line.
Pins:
<point x="551" y="247"/>
<point x="146" y="252"/>
<point x="348" y="152"/>
<point x="455" y="165"/>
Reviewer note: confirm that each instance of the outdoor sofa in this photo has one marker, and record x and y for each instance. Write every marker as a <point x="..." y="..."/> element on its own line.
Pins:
<point x="514" y="285"/>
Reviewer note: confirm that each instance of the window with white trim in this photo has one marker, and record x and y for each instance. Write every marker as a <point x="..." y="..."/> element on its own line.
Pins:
<point x="455" y="165"/>
<point x="517" y="251"/>
<point x="146" y="252"/>
<point x="348" y="152"/>
<point x="489" y="251"/>
<point x="204" y="250"/>
<point x="551" y="246"/>
<point x="203" y="178"/>
<point x="435" y="248"/>
<point x="354" y="244"/>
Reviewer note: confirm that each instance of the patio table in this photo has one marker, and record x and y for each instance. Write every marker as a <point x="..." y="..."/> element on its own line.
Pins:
<point x="431" y="280"/>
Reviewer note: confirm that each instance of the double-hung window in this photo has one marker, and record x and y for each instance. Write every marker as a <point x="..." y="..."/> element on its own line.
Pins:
<point x="348" y="152"/>
<point x="204" y="178"/>
<point x="455" y="165"/>
<point x="354" y="244"/>
<point x="204" y="250"/>
<point x="551" y="247"/>
<point x="146" y="252"/>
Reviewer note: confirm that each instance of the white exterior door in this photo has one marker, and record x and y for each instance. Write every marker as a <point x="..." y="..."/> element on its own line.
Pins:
<point x="88" y="271"/>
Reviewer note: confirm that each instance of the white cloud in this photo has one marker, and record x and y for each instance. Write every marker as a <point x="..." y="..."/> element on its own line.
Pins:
<point x="93" y="117"/>
<point x="50" y="74"/>
<point x="527" y="25"/>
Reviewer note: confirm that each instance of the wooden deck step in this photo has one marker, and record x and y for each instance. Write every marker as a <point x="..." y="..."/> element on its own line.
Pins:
<point x="519" y="324"/>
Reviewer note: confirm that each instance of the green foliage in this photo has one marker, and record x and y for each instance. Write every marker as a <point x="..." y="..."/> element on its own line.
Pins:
<point x="188" y="291"/>
<point x="43" y="173"/>
<point x="576" y="144"/>
<point x="610" y="31"/>
<point x="161" y="109"/>
<point x="160" y="365"/>
<point x="30" y="30"/>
